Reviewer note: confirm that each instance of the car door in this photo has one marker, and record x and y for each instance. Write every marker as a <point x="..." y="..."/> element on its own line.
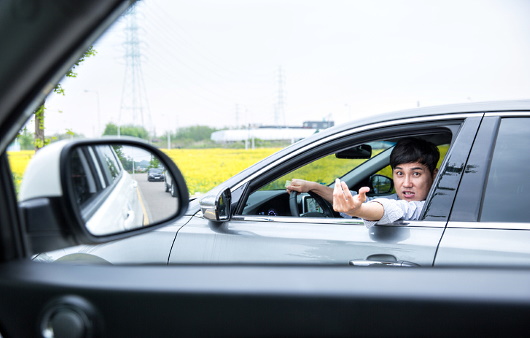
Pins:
<point x="490" y="222"/>
<point x="287" y="239"/>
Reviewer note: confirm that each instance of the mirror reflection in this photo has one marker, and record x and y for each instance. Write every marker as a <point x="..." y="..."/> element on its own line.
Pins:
<point x="120" y="187"/>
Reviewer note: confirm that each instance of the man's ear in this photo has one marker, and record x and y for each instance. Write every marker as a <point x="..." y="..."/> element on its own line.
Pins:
<point x="435" y="171"/>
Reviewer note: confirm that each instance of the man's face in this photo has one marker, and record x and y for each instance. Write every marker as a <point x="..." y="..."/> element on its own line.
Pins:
<point x="412" y="181"/>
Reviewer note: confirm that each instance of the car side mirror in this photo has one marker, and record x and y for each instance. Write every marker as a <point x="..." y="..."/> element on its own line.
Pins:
<point x="94" y="191"/>
<point x="381" y="185"/>
<point x="217" y="207"/>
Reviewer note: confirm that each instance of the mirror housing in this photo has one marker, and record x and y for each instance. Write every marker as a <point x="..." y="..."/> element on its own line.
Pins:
<point x="216" y="207"/>
<point x="381" y="185"/>
<point x="68" y="183"/>
<point x="362" y="152"/>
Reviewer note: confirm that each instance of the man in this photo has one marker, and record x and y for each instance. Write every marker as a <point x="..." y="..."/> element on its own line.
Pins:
<point x="413" y="163"/>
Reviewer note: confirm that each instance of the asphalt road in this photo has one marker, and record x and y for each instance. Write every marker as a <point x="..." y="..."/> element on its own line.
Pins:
<point x="157" y="202"/>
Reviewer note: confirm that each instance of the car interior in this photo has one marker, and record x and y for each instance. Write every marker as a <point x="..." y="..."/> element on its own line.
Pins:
<point x="360" y="165"/>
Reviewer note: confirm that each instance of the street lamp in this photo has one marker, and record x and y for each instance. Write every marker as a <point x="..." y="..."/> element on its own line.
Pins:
<point x="98" y="111"/>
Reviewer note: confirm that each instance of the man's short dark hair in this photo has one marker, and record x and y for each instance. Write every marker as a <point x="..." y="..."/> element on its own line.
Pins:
<point x="412" y="149"/>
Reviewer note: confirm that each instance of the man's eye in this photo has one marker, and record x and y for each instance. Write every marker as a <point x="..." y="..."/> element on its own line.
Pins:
<point x="417" y="174"/>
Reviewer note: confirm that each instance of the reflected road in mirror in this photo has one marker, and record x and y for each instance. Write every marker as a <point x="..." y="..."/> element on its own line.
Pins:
<point x="159" y="203"/>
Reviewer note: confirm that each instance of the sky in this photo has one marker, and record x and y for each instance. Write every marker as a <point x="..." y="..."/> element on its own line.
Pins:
<point x="240" y="62"/>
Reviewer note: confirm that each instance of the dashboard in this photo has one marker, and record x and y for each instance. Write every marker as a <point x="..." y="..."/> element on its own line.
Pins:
<point x="276" y="203"/>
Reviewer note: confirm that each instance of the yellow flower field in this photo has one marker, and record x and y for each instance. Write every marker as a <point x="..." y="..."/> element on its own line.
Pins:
<point x="18" y="160"/>
<point x="203" y="169"/>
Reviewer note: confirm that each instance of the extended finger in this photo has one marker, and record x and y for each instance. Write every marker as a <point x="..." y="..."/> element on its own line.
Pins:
<point x="362" y="193"/>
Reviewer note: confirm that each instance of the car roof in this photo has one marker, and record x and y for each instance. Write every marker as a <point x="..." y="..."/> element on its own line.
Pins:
<point x="457" y="108"/>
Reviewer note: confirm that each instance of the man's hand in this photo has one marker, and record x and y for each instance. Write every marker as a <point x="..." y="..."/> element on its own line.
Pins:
<point x="303" y="186"/>
<point x="300" y="186"/>
<point x="343" y="201"/>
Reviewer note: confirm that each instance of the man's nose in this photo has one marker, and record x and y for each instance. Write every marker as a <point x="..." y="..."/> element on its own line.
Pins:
<point x="407" y="182"/>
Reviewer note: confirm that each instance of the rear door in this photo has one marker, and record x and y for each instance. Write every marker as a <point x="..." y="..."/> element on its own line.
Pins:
<point x="273" y="237"/>
<point x="490" y="223"/>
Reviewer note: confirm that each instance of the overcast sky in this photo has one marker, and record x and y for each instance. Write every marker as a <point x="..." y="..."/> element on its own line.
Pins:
<point x="216" y="63"/>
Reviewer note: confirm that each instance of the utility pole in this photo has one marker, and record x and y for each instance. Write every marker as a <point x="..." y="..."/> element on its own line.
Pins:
<point x="134" y="108"/>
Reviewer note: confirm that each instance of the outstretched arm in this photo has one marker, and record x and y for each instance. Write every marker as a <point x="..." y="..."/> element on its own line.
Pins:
<point x="344" y="202"/>
<point x="302" y="186"/>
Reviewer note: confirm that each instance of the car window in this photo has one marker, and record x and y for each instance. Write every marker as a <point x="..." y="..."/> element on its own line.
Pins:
<point x="356" y="172"/>
<point x="508" y="185"/>
<point x="325" y="170"/>
<point x="109" y="163"/>
<point x="197" y="86"/>
<point x="81" y="175"/>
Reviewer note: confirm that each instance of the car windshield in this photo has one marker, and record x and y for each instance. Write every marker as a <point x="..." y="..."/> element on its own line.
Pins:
<point x="258" y="97"/>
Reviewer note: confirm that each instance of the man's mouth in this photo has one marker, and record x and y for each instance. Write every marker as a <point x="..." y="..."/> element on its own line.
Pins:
<point x="408" y="194"/>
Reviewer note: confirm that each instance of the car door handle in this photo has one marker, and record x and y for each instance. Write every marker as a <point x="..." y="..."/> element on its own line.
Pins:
<point x="366" y="262"/>
<point x="382" y="260"/>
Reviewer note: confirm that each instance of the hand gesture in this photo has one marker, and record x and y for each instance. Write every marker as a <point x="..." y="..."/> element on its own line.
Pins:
<point x="343" y="201"/>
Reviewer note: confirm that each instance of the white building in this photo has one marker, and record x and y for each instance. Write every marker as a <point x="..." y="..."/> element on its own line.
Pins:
<point x="268" y="134"/>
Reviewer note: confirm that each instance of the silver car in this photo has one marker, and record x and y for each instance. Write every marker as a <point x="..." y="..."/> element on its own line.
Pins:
<point x="251" y="218"/>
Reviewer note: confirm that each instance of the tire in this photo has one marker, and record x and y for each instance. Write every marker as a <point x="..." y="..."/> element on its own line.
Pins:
<point x="173" y="190"/>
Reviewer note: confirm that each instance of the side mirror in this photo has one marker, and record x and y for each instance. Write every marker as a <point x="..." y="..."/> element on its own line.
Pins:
<point x="94" y="191"/>
<point x="381" y="185"/>
<point x="217" y="207"/>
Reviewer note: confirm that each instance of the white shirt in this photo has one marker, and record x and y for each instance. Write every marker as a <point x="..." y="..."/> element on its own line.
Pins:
<point x="394" y="209"/>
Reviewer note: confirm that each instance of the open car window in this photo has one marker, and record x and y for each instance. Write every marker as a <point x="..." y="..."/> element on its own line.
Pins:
<point x="272" y="198"/>
<point x="325" y="170"/>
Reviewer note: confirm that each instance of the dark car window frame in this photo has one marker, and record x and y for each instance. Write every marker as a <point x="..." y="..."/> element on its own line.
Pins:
<point x="468" y="204"/>
<point x="439" y="202"/>
<point x="470" y="191"/>
<point x="508" y="174"/>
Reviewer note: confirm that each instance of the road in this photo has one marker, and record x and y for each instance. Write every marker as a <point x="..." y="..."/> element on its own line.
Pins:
<point x="158" y="203"/>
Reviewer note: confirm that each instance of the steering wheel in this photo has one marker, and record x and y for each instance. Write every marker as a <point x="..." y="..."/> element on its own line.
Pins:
<point x="326" y="207"/>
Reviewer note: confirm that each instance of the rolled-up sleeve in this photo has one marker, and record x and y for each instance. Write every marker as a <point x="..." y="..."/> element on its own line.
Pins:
<point x="395" y="210"/>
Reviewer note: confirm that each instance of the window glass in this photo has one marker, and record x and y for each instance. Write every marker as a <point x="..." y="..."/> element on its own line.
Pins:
<point x="82" y="179"/>
<point x="220" y="89"/>
<point x="109" y="163"/>
<point x="508" y="187"/>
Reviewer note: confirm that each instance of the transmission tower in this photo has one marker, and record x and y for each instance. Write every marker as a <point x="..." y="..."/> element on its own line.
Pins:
<point x="134" y="108"/>
<point x="279" y="111"/>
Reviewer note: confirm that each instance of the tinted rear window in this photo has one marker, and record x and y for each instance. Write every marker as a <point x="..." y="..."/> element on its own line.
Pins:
<point x="508" y="186"/>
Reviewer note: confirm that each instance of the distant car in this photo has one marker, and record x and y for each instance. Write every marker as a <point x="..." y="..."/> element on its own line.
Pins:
<point x="155" y="175"/>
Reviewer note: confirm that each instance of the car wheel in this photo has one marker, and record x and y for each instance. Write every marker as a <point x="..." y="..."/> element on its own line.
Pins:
<point x="167" y="186"/>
